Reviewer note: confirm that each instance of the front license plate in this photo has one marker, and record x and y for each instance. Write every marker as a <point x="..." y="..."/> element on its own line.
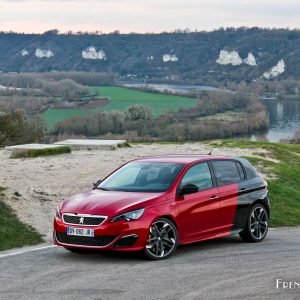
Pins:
<point x="80" y="231"/>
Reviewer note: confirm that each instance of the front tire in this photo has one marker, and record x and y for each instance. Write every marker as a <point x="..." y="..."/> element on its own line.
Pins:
<point x="257" y="225"/>
<point x="163" y="239"/>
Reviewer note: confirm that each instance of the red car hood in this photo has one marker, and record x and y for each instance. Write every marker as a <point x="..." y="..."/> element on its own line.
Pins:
<point x="109" y="203"/>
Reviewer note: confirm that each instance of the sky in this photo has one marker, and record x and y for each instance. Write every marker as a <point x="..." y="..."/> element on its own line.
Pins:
<point x="145" y="15"/>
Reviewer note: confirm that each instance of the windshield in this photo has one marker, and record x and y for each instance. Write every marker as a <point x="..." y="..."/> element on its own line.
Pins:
<point x="142" y="177"/>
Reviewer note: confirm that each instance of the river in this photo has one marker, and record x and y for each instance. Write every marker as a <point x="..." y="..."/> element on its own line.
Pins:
<point x="284" y="116"/>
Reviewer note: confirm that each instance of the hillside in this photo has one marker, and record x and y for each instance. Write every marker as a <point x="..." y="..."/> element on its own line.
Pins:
<point x="231" y="54"/>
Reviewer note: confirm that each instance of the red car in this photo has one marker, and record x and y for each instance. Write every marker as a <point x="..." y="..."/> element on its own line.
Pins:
<point x="154" y="204"/>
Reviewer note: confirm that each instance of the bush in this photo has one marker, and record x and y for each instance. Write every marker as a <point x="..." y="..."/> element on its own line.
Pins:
<point x="42" y="152"/>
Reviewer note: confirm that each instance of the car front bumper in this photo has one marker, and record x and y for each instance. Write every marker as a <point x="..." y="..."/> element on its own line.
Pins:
<point x="120" y="236"/>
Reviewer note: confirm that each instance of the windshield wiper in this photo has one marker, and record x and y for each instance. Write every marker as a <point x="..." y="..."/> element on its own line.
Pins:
<point x="102" y="189"/>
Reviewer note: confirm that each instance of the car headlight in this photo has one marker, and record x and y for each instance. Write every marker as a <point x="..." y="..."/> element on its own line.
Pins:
<point x="58" y="213"/>
<point x="129" y="216"/>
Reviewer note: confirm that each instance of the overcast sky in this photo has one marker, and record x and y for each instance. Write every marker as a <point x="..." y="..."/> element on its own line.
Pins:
<point x="145" y="15"/>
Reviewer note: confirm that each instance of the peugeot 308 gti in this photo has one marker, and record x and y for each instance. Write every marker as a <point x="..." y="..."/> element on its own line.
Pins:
<point x="155" y="204"/>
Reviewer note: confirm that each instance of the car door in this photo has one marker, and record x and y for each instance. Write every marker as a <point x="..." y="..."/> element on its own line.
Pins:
<point x="228" y="178"/>
<point x="199" y="212"/>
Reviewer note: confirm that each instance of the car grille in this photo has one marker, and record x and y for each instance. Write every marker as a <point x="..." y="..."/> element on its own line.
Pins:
<point x="97" y="241"/>
<point x="83" y="220"/>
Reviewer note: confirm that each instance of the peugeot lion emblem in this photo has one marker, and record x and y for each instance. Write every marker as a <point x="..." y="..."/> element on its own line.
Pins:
<point x="81" y="220"/>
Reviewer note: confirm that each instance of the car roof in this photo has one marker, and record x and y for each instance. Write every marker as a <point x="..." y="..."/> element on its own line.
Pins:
<point x="180" y="158"/>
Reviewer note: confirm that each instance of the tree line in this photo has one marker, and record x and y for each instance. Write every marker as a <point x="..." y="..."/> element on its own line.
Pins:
<point x="127" y="53"/>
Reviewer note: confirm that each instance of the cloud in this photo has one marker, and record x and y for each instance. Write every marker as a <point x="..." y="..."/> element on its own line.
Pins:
<point x="145" y="15"/>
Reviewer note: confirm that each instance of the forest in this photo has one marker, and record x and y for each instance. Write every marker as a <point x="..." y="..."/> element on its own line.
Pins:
<point x="179" y="56"/>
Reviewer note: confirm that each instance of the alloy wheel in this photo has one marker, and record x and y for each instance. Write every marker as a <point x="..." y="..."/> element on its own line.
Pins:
<point x="259" y="223"/>
<point x="162" y="239"/>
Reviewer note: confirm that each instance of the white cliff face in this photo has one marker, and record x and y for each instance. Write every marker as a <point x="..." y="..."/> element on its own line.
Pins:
<point x="250" y="60"/>
<point x="24" y="52"/>
<point x="40" y="53"/>
<point x="229" y="58"/>
<point x="92" y="53"/>
<point x="276" y="70"/>
<point x="169" y="57"/>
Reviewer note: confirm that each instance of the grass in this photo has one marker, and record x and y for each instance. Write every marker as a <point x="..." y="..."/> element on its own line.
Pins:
<point x="14" y="233"/>
<point x="54" y="115"/>
<point x="32" y="153"/>
<point x="121" y="99"/>
<point x="284" y="190"/>
<point x="124" y="145"/>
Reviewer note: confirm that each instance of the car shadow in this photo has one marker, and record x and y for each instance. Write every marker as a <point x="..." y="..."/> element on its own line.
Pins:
<point x="138" y="256"/>
<point x="211" y="244"/>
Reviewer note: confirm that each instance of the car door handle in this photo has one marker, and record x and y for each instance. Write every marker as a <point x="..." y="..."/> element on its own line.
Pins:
<point x="214" y="197"/>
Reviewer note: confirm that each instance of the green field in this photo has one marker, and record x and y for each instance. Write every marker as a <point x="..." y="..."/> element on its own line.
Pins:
<point x="121" y="99"/>
<point x="53" y="116"/>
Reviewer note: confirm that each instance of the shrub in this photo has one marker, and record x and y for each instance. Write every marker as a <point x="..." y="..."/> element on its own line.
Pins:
<point x="42" y="152"/>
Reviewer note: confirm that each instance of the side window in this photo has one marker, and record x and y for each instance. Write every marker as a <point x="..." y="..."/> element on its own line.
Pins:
<point x="198" y="175"/>
<point x="226" y="172"/>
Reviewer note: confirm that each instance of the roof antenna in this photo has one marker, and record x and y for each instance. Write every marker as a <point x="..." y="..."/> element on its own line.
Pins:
<point x="210" y="152"/>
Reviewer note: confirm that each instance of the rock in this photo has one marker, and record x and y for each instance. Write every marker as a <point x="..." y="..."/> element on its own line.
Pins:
<point x="250" y="60"/>
<point x="170" y="58"/>
<point x="275" y="71"/>
<point x="229" y="58"/>
<point x="40" y="53"/>
<point x="17" y="194"/>
<point x="24" y="52"/>
<point x="92" y="53"/>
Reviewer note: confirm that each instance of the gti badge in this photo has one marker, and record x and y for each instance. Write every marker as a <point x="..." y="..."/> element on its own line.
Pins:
<point x="81" y="220"/>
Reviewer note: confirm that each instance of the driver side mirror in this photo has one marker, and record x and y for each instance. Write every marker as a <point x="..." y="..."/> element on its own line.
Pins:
<point x="188" y="188"/>
<point x="95" y="184"/>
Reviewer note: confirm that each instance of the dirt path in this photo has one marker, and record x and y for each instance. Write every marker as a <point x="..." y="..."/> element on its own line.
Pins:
<point x="36" y="186"/>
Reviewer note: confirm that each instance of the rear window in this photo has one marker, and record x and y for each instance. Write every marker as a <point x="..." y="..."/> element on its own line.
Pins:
<point x="249" y="169"/>
<point x="226" y="172"/>
<point x="241" y="171"/>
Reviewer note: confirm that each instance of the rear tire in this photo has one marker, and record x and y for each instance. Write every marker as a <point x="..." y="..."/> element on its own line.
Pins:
<point x="162" y="241"/>
<point x="257" y="225"/>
